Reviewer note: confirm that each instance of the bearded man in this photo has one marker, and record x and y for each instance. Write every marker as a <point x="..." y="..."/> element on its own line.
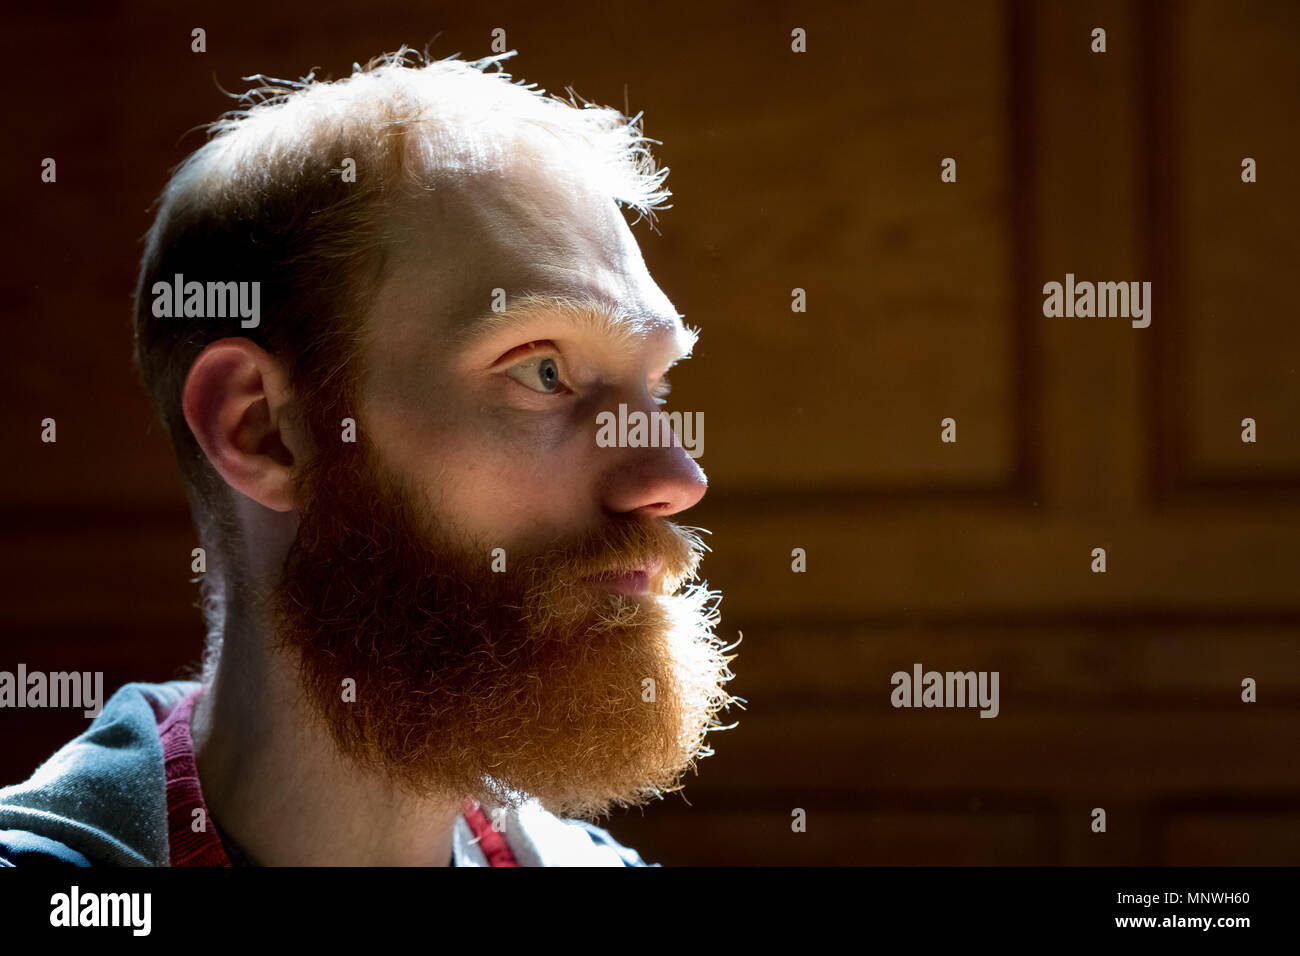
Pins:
<point x="446" y="626"/>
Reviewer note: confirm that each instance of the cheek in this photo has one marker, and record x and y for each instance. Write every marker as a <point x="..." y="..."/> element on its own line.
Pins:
<point x="505" y="475"/>
<point x="509" y="485"/>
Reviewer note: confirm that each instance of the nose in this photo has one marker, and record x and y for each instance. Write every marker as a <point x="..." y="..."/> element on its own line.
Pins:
<point x="651" y="481"/>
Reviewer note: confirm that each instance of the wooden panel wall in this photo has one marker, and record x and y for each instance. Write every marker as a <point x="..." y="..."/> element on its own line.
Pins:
<point x="818" y="171"/>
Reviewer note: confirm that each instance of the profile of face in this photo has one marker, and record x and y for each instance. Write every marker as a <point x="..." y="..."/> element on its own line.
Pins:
<point x="516" y="612"/>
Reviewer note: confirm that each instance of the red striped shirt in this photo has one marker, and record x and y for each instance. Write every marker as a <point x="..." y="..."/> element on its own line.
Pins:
<point x="192" y="843"/>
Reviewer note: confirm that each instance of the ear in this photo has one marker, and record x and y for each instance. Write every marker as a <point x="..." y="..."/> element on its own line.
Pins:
<point x="238" y="404"/>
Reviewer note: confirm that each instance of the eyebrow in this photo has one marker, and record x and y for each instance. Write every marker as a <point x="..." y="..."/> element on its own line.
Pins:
<point x="625" y="328"/>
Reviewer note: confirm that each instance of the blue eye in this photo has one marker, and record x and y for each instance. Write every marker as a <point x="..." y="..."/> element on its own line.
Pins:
<point x="549" y="374"/>
<point x="539" y="374"/>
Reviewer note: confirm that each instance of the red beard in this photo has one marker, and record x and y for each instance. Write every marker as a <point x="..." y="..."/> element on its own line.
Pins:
<point x="496" y="686"/>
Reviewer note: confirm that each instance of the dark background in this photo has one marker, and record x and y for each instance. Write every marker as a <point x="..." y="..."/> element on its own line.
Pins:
<point x="818" y="171"/>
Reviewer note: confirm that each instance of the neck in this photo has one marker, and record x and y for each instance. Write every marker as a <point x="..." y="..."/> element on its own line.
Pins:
<point x="274" y="781"/>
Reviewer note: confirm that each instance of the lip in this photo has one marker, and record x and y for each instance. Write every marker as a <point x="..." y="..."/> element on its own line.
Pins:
<point x="635" y="582"/>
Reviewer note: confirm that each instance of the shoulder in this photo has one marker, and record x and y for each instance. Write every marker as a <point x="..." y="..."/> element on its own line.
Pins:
<point x="22" y="848"/>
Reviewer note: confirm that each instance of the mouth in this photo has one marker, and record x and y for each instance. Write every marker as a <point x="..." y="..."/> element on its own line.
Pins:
<point x="635" y="581"/>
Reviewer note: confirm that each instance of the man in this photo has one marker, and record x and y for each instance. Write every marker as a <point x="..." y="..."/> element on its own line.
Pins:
<point x="378" y="319"/>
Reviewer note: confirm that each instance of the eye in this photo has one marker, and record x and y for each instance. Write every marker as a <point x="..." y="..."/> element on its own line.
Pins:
<point x="541" y="374"/>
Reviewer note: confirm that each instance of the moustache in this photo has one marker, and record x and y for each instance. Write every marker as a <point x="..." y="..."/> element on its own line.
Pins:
<point x="668" y="554"/>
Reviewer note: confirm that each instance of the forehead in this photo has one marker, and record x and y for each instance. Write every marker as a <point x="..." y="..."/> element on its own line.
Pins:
<point x="527" y="230"/>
